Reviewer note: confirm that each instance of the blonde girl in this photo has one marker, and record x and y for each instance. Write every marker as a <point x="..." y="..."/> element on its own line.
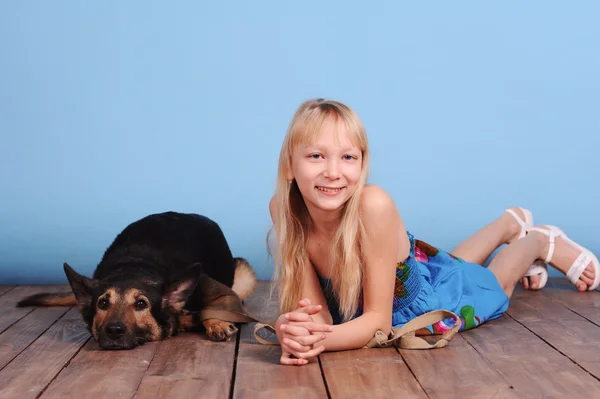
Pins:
<point x="346" y="266"/>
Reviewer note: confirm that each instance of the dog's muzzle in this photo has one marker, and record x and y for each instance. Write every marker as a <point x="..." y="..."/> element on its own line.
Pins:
<point x="115" y="337"/>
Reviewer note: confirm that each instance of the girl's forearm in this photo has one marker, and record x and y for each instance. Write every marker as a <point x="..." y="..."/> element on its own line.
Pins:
<point x="354" y="334"/>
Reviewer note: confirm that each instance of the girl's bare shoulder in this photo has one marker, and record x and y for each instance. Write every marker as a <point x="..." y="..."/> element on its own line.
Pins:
<point x="272" y="208"/>
<point x="376" y="201"/>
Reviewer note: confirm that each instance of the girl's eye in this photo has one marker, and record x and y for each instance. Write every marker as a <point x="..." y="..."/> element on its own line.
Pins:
<point x="103" y="303"/>
<point x="141" y="304"/>
<point x="315" y="156"/>
<point x="349" y="157"/>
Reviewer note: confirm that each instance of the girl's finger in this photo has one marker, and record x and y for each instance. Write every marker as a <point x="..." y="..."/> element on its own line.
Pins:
<point x="297" y="316"/>
<point x="308" y="355"/>
<point x="304" y="302"/>
<point x="311" y="309"/>
<point x="317" y="327"/>
<point x="302" y="328"/>
<point x="295" y="346"/>
<point x="295" y="330"/>
<point x="310" y="340"/>
<point x="289" y="361"/>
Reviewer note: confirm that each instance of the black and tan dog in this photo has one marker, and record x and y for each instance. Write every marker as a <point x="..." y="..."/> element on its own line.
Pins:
<point x="157" y="278"/>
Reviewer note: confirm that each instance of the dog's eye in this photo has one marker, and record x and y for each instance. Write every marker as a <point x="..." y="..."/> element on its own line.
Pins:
<point x="103" y="303"/>
<point x="141" y="304"/>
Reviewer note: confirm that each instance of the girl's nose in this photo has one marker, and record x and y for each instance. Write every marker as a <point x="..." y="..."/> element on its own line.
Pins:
<point x="332" y="171"/>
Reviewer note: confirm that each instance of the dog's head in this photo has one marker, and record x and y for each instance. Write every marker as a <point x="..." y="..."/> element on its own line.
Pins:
<point x="126" y="312"/>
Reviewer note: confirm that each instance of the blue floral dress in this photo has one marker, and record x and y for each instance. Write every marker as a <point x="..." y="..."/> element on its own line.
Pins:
<point x="432" y="279"/>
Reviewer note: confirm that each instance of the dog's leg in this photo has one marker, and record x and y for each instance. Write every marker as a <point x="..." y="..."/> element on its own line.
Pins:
<point x="215" y="300"/>
<point x="188" y="321"/>
<point x="218" y="330"/>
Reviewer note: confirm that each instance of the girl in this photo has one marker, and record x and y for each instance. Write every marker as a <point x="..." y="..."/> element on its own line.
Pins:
<point x="346" y="266"/>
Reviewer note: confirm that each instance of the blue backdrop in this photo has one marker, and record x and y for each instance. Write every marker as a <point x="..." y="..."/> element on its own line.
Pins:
<point x="113" y="110"/>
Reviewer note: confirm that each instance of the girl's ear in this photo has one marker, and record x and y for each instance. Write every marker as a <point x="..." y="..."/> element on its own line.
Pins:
<point x="289" y="173"/>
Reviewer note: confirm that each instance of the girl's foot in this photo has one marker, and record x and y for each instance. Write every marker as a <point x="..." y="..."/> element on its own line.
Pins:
<point x="536" y="277"/>
<point x="579" y="265"/>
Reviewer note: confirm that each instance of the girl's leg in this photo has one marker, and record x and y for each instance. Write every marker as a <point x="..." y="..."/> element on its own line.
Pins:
<point x="485" y="241"/>
<point x="512" y="262"/>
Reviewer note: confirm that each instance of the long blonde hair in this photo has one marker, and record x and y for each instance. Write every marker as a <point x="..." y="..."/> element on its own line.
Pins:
<point x="292" y="222"/>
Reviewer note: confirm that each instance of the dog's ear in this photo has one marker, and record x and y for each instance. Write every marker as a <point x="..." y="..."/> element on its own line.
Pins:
<point x="181" y="286"/>
<point x="82" y="288"/>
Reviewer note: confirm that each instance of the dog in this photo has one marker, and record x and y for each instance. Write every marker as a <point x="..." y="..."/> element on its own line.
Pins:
<point x="155" y="279"/>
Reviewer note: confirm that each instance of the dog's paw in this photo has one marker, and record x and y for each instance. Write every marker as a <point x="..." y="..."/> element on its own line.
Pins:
<point x="218" y="330"/>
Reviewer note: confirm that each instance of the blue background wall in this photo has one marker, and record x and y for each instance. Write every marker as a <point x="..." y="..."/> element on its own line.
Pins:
<point x="110" y="111"/>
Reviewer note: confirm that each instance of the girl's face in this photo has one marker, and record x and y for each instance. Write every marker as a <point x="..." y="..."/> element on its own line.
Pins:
<point x="327" y="172"/>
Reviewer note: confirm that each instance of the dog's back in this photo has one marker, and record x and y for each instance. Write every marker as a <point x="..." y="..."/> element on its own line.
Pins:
<point x="172" y="241"/>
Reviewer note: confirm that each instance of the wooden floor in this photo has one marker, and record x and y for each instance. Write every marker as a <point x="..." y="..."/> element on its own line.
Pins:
<point x="547" y="345"/>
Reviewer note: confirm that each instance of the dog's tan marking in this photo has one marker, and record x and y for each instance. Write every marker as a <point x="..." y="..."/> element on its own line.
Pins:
<point x="59" y="301"/>
<point x="101" y="315"/>
<point x="187" y="323"/>
<point x="126" y="310"/>
<point x="141" y="319"/>
<point x="244" y="279"/>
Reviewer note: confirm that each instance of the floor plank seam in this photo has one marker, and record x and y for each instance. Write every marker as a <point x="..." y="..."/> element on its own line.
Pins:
<point x="16" y="321"/>
<point x="561" y="303"/>
<point x="32" y="342"/>
<point x="147" y="368"/>
<point x="555" y="348"/>
<point x="323" y="376"/>
<point x="511" y="386"/>
<point x="412" y="372"/>
<point x="8" y="290"/>
<point x="235" y="359"/>
<point x="62" y="368"/>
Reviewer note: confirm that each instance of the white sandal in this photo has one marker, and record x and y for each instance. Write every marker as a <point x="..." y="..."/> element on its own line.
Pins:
<point x="538" y="267"/>
<point x="579" y="265"/>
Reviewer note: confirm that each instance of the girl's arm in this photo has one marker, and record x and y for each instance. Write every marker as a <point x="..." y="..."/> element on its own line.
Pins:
<point x="385" y="241"/>
<point x="311" y="289"/>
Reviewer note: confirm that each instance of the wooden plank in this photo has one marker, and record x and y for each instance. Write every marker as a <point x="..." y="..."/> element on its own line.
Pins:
<point x="586" y="304"/>
<point x="5" y="288"/>
<point x="9" y="313"/>
<point x="571" y="334"/>
<point x="20" y="335"/>
<point x="530" y="365"/>
<point x="456" y="371"/>
<point x="34" y="368"/>
<point x="97" y="373"/>
<point x="258" y="373"/>
<point x="189" y="363"/>
<point x="27" y="329"/>
<point x="365" y="373"/>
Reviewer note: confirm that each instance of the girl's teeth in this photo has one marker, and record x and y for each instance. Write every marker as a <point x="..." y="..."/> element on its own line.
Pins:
<point x="329" y="190"/>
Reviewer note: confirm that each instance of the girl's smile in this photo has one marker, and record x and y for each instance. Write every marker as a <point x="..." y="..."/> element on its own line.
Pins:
<point x="330" y="191"/>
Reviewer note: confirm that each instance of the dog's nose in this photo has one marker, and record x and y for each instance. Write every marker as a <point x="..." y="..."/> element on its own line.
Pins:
<point x="115" y="330"/>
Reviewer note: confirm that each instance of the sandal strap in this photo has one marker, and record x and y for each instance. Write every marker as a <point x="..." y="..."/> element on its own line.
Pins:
<point x="578" y="267"/>
<point x="551" y="234"/>
<point x="537" y="269"/>
<point x="517" y="218"/>
<point x="521" y="222"/>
